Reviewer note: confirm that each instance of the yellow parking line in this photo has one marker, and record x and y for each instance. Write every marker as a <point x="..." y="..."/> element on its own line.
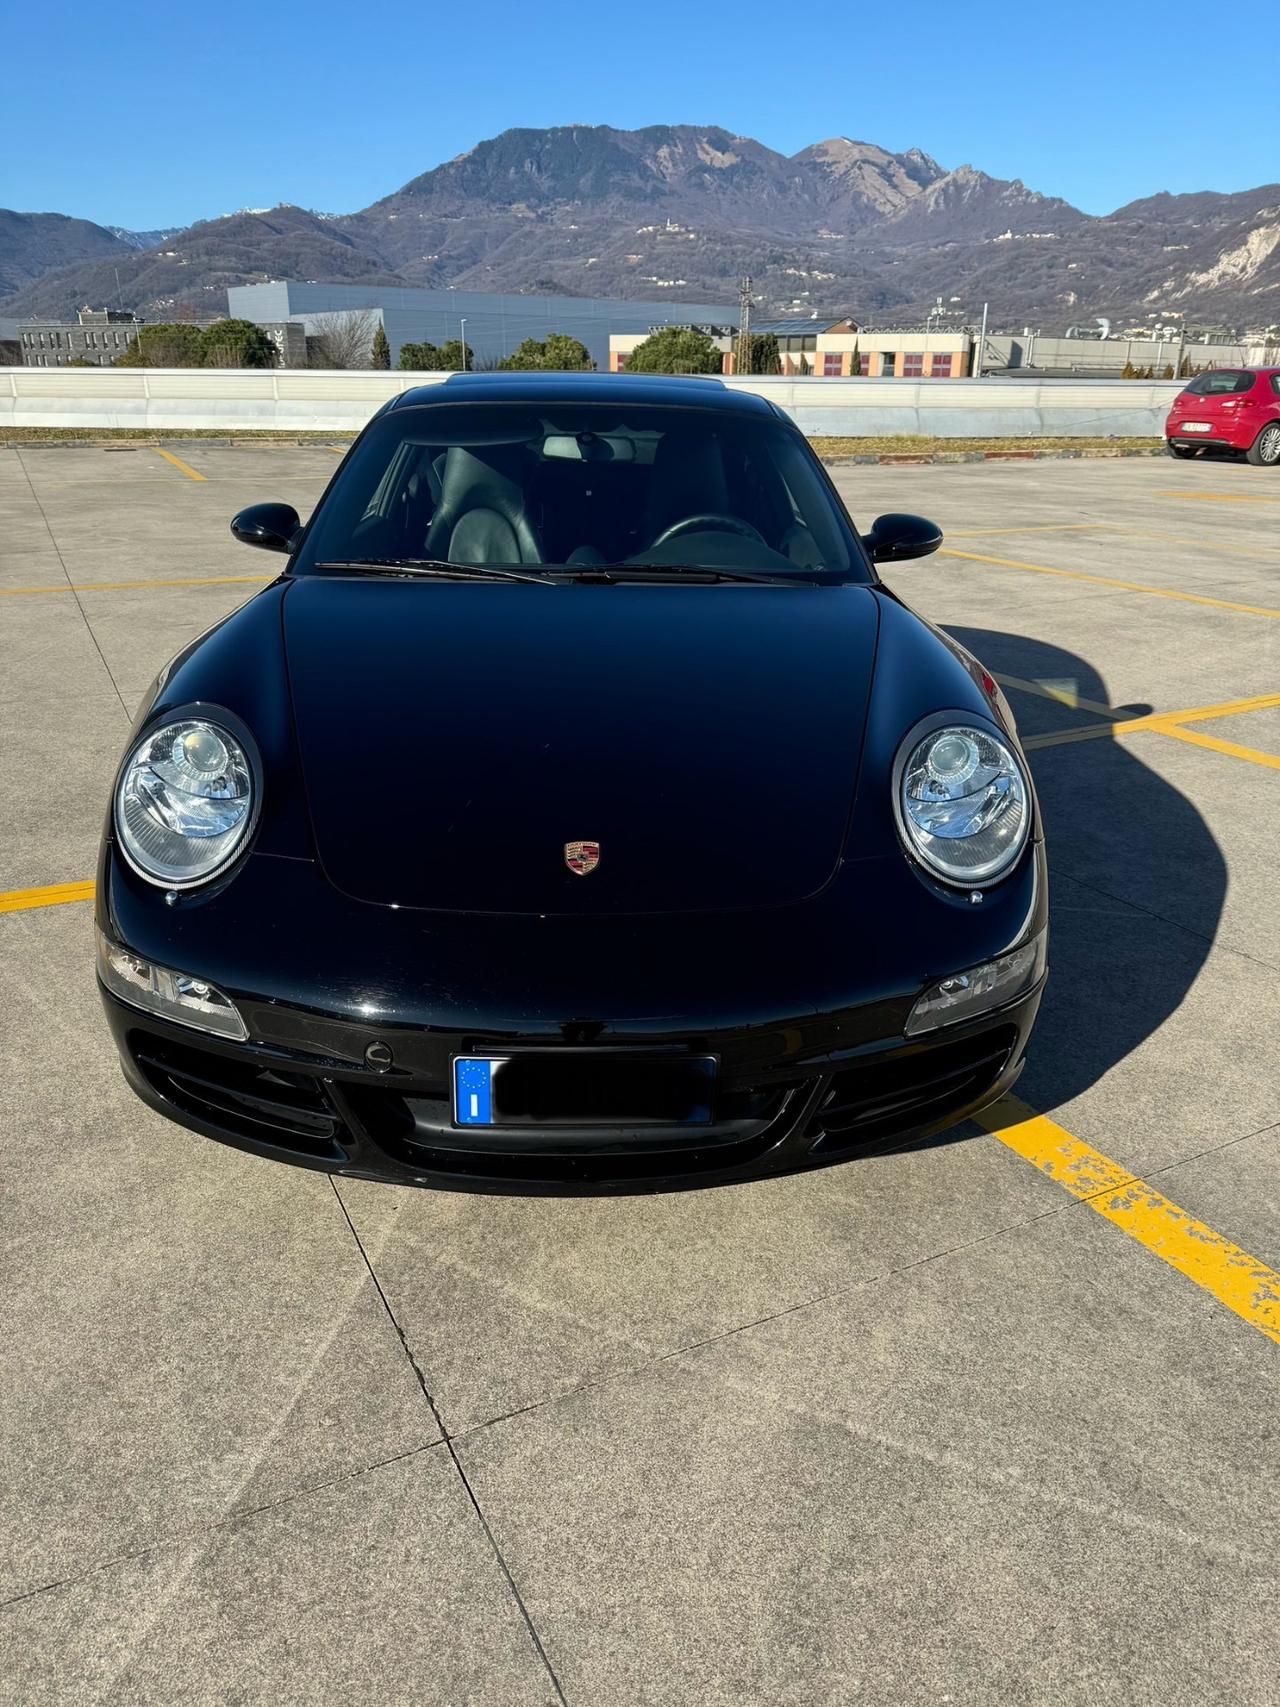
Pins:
<point x="1066" y="737"/>
<point x="1042" y="527"/>
<point x="1239" y="1281"/>
<point x="1062" y="696"/>
<point x="1168" y="723"/>
<point x="1109" y="581"/>
<point x="1230" y="748"/>
<point x="124" y="586"/>
<point x="1228" y="708"/>
<point x="182" y="467"/>
<point x="1221" y="497"/>
<point x="51" y="895"/>
<point x="1232" y="550"/>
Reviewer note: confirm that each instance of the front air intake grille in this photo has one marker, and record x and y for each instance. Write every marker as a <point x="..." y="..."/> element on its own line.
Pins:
<point x="875" y="1099"/>
<point x="266" y="1105"/>
<point x="418" y="1130"/>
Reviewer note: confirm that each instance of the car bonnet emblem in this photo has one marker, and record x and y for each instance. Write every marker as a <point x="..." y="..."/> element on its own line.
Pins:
<point x="581" y="857"/>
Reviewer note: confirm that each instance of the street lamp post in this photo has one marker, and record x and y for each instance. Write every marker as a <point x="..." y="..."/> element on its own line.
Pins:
<point x="464" y="343"/>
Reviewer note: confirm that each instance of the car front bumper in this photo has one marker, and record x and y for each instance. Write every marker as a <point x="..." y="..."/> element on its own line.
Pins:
<point x="324" y="1112"/>
<point x="804" y="1008"/>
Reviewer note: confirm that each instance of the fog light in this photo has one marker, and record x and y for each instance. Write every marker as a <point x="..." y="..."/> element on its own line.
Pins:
<point x="176" y="996"/>
<point x="965" y="994"/>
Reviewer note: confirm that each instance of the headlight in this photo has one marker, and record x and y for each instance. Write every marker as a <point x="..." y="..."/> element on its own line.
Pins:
<point x="963" y="804"/>
<point x="185" y="803"/>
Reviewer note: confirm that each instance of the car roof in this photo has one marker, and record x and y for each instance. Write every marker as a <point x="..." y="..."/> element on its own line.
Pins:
<point x="691" y="392"/>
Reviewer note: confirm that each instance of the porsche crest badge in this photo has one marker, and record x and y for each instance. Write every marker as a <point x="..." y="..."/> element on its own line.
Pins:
<point x="581" y="857"/>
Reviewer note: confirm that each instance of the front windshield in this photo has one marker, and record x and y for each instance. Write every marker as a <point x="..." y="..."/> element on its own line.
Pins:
<point x="572" y="486"/>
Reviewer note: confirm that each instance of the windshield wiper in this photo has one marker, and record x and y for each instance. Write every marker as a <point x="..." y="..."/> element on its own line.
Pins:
<point x="696" y="573"/>
<point x="435" y="567"/>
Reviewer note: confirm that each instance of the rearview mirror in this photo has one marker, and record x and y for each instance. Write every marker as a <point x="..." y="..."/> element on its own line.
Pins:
<point x="895" y="538"/>
<point x="275" y="527"/>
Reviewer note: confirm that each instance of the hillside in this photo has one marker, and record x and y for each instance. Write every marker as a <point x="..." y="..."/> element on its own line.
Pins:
<point x="33" y="244"/>
<point x="682" y="210"/>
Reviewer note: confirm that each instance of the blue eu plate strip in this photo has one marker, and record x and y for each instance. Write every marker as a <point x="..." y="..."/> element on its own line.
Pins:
<point x="472" y="1092"/>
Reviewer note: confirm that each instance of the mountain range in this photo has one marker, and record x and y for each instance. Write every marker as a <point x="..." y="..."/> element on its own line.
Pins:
<point x="680" y="211"/>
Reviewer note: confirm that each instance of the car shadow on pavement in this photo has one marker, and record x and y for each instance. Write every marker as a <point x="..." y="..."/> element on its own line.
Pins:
<point x="1136" y="879"/>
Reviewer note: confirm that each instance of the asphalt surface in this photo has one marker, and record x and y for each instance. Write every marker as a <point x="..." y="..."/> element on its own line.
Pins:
<point x="953" y="1425"/>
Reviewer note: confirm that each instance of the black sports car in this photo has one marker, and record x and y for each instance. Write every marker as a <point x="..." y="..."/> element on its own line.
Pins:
<point x="577" y="810"/>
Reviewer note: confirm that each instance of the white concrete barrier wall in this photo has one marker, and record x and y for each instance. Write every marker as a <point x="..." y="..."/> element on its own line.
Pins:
<point x="290" y="400"/>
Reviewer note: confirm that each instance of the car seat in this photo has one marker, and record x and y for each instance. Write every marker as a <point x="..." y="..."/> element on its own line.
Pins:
<point x="481" y="516"/>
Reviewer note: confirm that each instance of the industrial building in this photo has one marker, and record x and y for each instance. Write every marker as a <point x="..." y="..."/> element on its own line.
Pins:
<point x="493" y="324"/>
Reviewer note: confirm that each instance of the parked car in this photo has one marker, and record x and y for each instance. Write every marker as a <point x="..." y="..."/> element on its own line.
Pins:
<point x="578" y="810"/>
<point x="1228" y="409"/>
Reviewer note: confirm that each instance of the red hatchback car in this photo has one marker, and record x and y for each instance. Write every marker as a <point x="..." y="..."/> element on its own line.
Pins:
<point x="1228" y="409"/>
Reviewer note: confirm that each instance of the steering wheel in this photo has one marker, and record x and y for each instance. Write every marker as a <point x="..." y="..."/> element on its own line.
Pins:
<point x="711" y="521"/>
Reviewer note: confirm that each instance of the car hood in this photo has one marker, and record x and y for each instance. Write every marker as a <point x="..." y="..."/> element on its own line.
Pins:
<point x="455" y="736"/>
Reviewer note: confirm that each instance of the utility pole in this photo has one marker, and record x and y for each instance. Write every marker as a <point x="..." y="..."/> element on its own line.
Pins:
<point x="464" y="343"/>
<point x="742" y="362"/>
<point x="982" y="344"/>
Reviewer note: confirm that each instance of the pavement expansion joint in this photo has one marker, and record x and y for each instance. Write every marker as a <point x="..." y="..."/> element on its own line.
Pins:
<point x="447" y="1440"/>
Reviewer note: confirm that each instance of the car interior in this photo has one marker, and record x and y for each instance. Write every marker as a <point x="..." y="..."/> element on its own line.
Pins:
<point x="552" y="492"/>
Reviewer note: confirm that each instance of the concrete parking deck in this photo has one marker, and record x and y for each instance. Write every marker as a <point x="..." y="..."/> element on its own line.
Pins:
<point x="988" y="1421"/>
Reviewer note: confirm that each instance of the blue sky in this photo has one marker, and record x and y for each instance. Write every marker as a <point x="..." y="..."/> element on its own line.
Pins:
<point x="142" y="118"/>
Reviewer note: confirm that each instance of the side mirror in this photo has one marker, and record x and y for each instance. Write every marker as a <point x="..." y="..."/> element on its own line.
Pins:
<point x="894" y="538"/>
<point x="275" y="527"/>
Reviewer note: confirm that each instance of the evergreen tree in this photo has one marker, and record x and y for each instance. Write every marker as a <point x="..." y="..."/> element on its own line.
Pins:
<point x="453" y="357"/>
<point x="380" y="354"/>
<point x="527" y="357"/>
<point x="236" y="343"/>
<point x="763" y="356"/>
<point x="563" y="354"/>
<point x="166" y="344"/>
<point x="676" y="349"/>
<point x="420" y="358"/>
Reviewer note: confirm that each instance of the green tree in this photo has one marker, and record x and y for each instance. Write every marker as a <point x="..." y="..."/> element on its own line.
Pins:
<point x="559" y="354"/>
<point x="1167" y="371"/>
<point x="676" y="349"/>
<point x="855" y="360"/>
<point x="380" y="353"/>
<point x="166" y="344"/>
<point x="527" y="357"/>
<point x="236" y="343"/>
<point x="564" y="354"/>
<point x="761" y="354"/>
<point x="454" y="358"/>
<point x="420" y="358"/>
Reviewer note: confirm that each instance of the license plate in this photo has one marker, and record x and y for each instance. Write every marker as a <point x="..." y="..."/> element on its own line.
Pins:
<point x="1195" y="427"/>
<point x="566" y="1087"/>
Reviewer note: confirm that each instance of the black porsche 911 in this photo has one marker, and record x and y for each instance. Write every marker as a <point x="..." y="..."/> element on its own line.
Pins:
<point x="578" y="810"/>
